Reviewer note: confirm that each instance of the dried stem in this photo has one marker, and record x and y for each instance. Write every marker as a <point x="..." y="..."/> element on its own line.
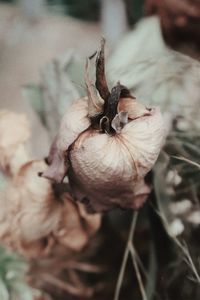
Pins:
<point x="137" y="271"/>
<point x="188" y="259"/>
<point x="125" y="257"/>
<point x="189" y="161"/>
<point x="183" y="247"/>
<point x="101" y="83"/>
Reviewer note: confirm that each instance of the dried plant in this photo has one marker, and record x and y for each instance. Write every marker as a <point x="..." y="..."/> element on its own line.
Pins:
<point x="109" y="141"/>
<point x="105" y="140"/>
<point x="38" y="218"/>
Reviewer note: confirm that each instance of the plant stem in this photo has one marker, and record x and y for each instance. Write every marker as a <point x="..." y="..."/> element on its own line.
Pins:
<point x="137" y="271"/>
<point x="125" y="257"/>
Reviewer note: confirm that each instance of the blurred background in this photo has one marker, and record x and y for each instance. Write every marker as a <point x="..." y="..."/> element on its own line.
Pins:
<point x="153" y="48"/>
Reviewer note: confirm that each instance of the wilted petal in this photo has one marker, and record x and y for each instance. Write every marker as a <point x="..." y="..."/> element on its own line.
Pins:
<point x="74" y="122"/>
<point x="106" y="169"/>
<point x="14" y="132"/>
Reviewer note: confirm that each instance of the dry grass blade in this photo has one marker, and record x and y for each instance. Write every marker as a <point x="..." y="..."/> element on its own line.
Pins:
<point x="188" y="259"/>
<point x="125" y="257"/>
<point x="188" y="161"/>
<point x="182" y="246"/>
<point x="137" y="271"/>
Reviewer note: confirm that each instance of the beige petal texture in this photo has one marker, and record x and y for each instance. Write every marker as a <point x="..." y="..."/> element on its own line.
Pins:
<point x="34" y="222"/>
<point x="144" y="138"/>
<point x="105" y="169"/>
<point x="73" y="123"/>
<point x="107" y="157"/>
<point x="76" y="225"/>
<point x="31" y="211"/>
<point x="133" y="108"/>
<point x="40" y="212"/>
<point x="14" y="132"/>
<point x="119" y="121"/>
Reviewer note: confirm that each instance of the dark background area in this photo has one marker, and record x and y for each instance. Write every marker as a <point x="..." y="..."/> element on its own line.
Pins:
<point x="90" y="10"/>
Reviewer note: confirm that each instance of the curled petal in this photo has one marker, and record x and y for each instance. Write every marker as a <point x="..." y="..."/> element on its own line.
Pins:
<point x="106" y="169"/>
<point x="14" y="133"/>
<point x="119" y="121"/>
<point x="133" y="108"/>
<point x="74" y="122"/>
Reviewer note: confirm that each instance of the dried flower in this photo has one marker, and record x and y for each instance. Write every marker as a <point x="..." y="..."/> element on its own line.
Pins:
<point x="34" y="218"/>
<point x="106" y="145"/>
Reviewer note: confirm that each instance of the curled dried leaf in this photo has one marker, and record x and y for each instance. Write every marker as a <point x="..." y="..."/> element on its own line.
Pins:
<point x="101" y="82"/>
<point x="95" y="103"/>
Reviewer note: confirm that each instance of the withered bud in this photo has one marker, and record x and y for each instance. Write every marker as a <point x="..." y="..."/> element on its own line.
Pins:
<point x="34" y="221"/>
<point x="106" y="144"/>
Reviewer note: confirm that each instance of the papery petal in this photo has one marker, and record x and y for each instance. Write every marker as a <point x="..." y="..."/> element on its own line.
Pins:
<point x="76" y="225"/>
<point x="144" y="138"/>
<point x="14" y="132"/>
<point x="105" y="170"/>
<point x="35" y="221"/>
<point x="134" y="108"/>
<point x="74" y="122"/>
<point x="119" y="121"/>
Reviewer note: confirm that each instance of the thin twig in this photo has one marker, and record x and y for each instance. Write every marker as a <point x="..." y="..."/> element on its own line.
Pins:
<point x="188" y="259"/>
<point x="187" y="160"/>
<point x="137" y="271"/>
<point x="125" y="257"/>
<point x="140" y="264"/>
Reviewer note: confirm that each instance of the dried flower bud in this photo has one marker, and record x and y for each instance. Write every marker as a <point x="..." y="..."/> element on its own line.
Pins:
<point x="106" y="146"/>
